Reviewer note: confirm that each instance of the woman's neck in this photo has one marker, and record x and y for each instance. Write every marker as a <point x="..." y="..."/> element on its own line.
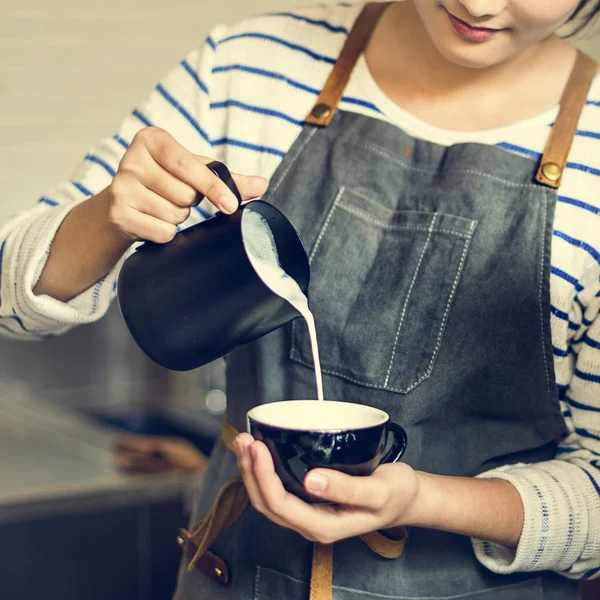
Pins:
<point x="412" y="72"/>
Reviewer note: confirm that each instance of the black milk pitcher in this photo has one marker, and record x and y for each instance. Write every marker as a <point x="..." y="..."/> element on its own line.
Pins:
<point x="196" y="298"/>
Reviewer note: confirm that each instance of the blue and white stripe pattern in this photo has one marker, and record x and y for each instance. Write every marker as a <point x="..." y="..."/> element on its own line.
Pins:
<point x="242" y="99"/>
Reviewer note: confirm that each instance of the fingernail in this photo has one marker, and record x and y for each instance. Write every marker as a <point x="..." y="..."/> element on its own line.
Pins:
<point x="228" y="204"/>
<point x="316" y="483"/>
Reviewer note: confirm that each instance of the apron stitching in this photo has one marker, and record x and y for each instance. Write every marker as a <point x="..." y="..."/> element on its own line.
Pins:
<point x="498" y="179"/>
<point x="454" y="171"/>
<point x="330" y="372"/>
<point x="455" y="597"/>
<point x="257" y="583"/>
<point x="540" y="299"/>
<point x="293" y="161"/>
<point x="359" y="194"/>
<point x="447" y="311"/>
<point x="368" y="384"/>
<point x="384" y="225"/>
<point x="317" y="244"/>
<point x="406" y="300"/>
<point x="326" y="225"/>
<point x="452" y="293"/>
<point x="389" y="597"/>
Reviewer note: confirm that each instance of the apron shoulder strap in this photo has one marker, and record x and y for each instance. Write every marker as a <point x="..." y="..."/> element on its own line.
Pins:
<point x="561" y="137"/>
<point x="564" y="129"/>
<point x="327" y="103"/>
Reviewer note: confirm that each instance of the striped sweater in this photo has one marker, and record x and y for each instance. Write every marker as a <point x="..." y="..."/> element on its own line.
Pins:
<point x="241" y="99"/>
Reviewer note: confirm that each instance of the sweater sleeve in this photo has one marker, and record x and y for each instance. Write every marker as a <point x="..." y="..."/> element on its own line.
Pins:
<point x="561" y="497"/>
<point x="180" y="104"/>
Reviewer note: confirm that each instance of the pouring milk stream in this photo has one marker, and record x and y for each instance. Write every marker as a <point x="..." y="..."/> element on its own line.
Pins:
<point x="262" y="252"/>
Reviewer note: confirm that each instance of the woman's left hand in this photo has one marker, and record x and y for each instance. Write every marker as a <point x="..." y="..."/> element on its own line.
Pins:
<point x="382" y="500"/>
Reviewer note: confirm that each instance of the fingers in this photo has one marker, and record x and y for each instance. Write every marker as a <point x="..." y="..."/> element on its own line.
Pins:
<point x="318" y="523"/>
<point x="371" y="493"/>
<point x="250" y="186"/>
<point x="157" y="182"/>
<point x="148" y="201"/>
<point x="140" y="225"/>
<point x="245" y="464"/>
<point x="191" y="170"/>
<point x="324" y="523"/>
<point x="243" y="444"/>
<point x="267" y="493"/>
<point x="160" y="181"/>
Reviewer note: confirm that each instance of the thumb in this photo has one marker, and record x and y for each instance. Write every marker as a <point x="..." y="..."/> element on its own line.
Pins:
<point x="249" y="186"/>
<point x="370" y="492"/>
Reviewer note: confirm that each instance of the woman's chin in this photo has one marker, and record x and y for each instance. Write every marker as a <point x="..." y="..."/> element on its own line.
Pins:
<point x="472" y="55"/>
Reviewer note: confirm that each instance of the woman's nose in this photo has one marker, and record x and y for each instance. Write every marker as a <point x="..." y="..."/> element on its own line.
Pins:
<point x="483" y="8"/>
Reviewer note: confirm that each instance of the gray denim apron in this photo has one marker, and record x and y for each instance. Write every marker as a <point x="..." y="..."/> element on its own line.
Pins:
<point x="430" y="289"/>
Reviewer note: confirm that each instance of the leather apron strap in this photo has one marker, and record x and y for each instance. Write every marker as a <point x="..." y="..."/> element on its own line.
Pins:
<point x="327" y="103"/>
<point x="561" y="137"/>
<point x="563" y="132"/>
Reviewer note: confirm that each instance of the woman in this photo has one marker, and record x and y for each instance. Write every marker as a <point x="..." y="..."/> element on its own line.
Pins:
<point x="453" y="286"/>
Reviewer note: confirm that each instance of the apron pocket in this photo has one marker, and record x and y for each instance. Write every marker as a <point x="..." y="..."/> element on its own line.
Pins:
<point x="381" y="290"/>
<point x="273" y="585"/>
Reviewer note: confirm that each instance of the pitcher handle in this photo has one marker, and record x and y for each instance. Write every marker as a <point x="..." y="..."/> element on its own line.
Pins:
<point x="223" y="173"/>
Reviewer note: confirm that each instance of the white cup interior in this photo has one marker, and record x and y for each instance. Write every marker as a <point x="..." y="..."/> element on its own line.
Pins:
<point x="313" y="415"/>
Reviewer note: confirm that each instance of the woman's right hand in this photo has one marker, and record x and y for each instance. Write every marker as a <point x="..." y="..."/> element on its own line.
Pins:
<point x="157" y="183"/>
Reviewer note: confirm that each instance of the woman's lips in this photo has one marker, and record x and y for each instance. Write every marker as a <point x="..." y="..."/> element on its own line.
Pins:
<point x="473" y="34"/>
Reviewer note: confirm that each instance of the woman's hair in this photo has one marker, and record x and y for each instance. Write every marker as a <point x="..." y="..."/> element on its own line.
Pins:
<point x="585" y="13"/>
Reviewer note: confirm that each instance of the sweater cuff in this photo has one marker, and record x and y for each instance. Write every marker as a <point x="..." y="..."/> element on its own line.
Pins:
<point x="43" y="313"/>
<point x="555" y="519"/>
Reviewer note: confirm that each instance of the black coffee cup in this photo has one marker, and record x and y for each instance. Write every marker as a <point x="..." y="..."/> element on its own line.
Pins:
<point x="307" y="434"/>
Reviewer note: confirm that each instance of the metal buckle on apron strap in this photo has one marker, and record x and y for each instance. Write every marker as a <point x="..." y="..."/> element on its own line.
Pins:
<point x="207" y="561"/>
<point x="231" y="502"/>
<point x="561" y="136"/>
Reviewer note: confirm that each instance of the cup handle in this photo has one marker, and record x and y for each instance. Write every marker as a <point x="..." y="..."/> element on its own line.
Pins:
<point x="394" y="454"/>
<point x="223" y="173"/>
